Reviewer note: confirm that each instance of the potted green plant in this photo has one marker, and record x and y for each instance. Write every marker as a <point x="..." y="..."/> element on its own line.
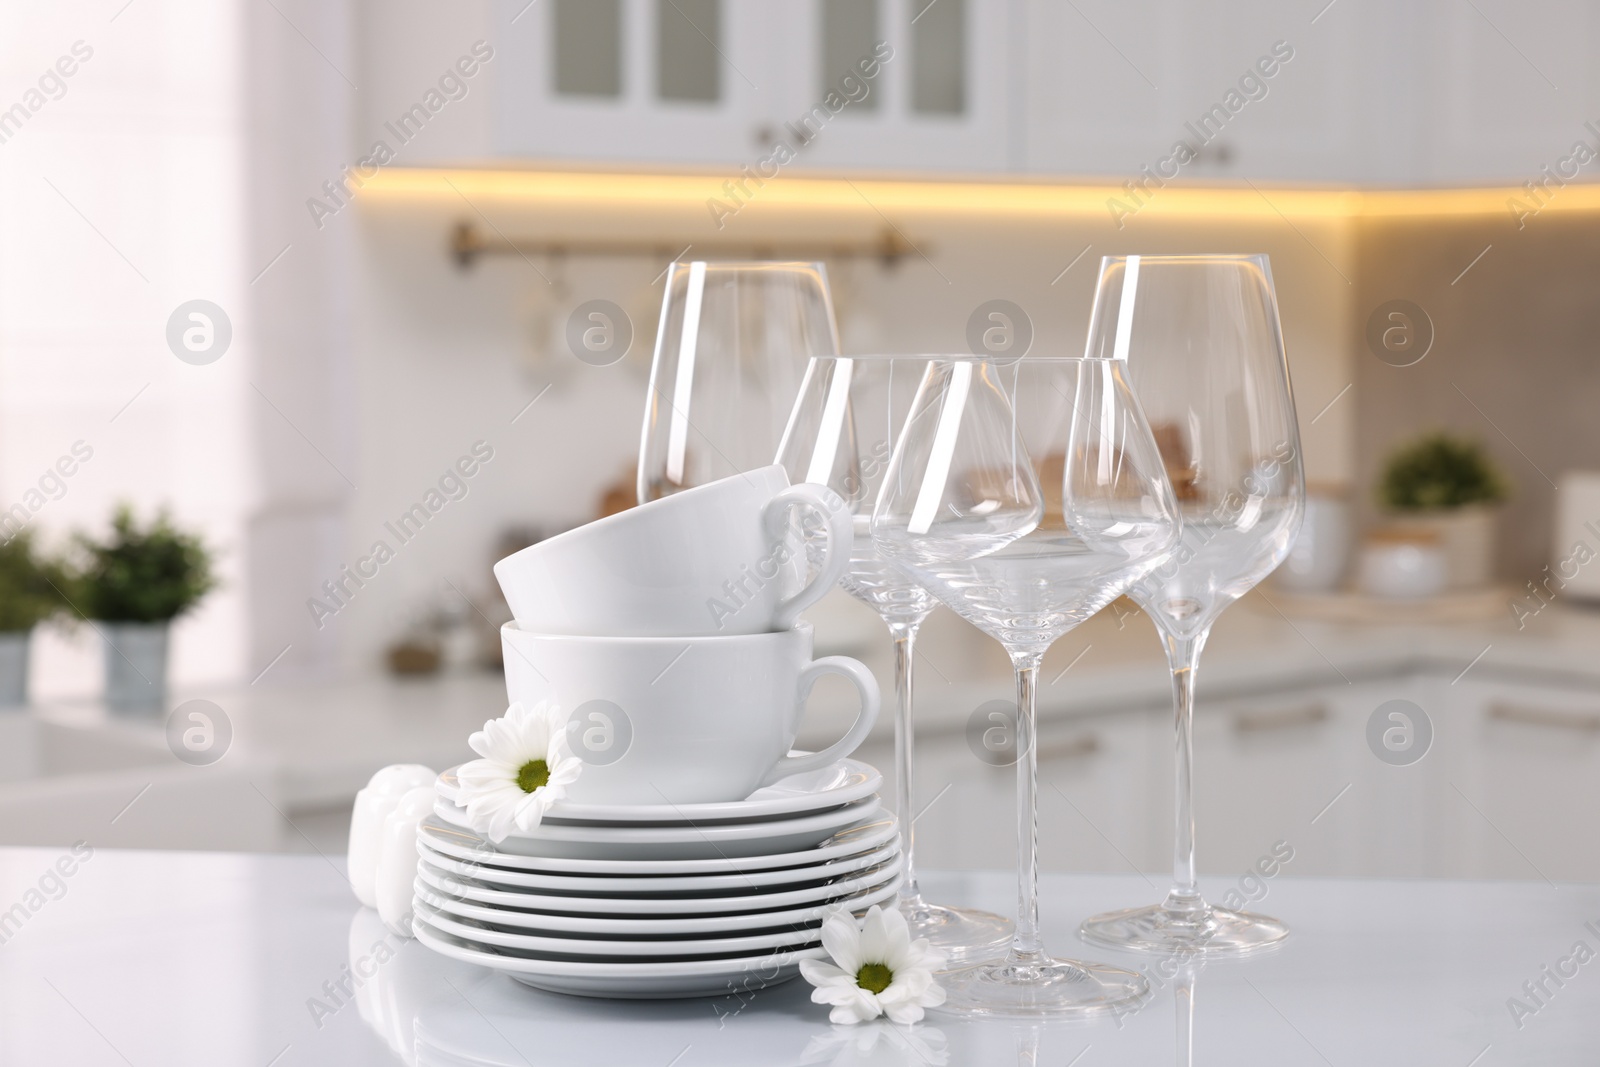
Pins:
<point x="1449" y="487"/>
<point x="30" y="592"/>
<point x="135" y="583"/>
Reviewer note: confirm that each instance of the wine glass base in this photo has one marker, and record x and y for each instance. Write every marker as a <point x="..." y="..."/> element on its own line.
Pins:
<point x="1042" y="989"/>
<point x="1208" y="931"/>
<point x="962" y="934"/>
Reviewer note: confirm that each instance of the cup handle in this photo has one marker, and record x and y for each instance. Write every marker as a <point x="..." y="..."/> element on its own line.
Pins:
<point x="866" y="687"/>
<point x="839" y="531"/>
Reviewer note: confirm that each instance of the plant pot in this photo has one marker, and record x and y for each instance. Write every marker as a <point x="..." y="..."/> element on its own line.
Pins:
<point x="1467" y="538"/>
<point x="14" y="668"/>
<point x="136" y="665"/>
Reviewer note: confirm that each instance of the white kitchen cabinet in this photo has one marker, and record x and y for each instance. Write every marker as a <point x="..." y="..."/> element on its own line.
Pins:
<point x="1095" y="808"/>
<point x="943" y="101"/>
<point x="1258" y="89"/>
<point x="1265" y="765"/>
<point x="1503" y="790"/>
<point x="1528" y="785"/>
<point x="1436" y="92"/>
<point x="1507" y="93"/>
<point x="1376" y="93"/>
<point x="668" y="81"/>
<point x="727" y="83"/>
<point x="1509" y="769"/>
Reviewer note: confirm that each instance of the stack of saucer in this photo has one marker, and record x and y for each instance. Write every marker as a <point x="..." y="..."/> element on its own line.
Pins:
<point x="668" y="900"/>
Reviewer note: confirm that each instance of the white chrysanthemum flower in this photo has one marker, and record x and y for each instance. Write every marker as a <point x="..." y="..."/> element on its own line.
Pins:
<point x="876" y="970"/>
<point x="526" y="767"/>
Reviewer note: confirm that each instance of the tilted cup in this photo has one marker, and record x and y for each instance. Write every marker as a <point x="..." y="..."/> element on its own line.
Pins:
<point x="715" y="559"/>
<point x="686" y="720"/>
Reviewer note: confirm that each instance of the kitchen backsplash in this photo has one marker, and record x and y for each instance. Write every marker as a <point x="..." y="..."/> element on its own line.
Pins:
<point x="1513" y="361"/>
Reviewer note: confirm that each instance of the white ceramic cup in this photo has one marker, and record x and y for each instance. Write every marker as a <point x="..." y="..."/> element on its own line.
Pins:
<point x="715" y="559"/>
<point x="681" y="720"/>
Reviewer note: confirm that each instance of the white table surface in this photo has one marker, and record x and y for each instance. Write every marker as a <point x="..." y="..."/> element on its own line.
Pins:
<point x="152" y="958"/>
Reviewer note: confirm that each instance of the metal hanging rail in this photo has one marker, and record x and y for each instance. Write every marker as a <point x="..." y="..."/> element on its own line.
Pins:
<point x="468" y="244"/>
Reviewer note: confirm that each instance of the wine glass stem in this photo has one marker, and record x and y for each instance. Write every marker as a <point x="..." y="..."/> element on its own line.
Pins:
<point x="1025" y="944"/>
<point x="1183" y="656"/>
<point x="905" y="637"/>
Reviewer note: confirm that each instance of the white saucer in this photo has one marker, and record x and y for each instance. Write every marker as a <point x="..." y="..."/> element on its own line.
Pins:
<point x="675" y="885"/>
<point x="462" y="843"/>
<point x="700" y="978"/>
<point x="674" y="842"/>
<point x="532" y="945"/>
<point x="648" y="926"/>
<point x="827" y="787"/>
<point x="479" y="893"/>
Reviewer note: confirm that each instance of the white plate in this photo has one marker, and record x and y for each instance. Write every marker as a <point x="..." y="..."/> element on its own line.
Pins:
<point x="664" y="928"/>
<point x="672" y="885"/>
<point x="463" y="844"/>
<point x="827" y="787"/>
<point x="674" y="842"/>
<point x="480" y="893"/>
<point x="532" y="945"/>
<point x="637" y="981"/>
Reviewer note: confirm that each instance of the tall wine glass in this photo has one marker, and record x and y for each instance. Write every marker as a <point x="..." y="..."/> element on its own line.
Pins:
<point x="733" y="342"/>
<point x="1204" y="350"/>
<point x="1027" y="494"/>
<point x="840" y="434"/>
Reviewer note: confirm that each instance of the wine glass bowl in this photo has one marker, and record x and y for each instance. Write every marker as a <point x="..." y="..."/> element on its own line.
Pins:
<point x="733" y="342"/>
<point x="1204" y="351"/>
<point x="1021" y="555"/>
<point x="1026" y="496"/>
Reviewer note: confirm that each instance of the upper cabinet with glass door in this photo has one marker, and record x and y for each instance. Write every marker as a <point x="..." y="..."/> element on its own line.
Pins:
<point x="833" y="84"/>
<point x="902" y="85"/>
<point x="670" y="81"/>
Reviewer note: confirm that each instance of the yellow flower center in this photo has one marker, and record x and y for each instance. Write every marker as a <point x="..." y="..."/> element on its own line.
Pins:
<point x="532" y="775"/>
<point x="874" y="977"/>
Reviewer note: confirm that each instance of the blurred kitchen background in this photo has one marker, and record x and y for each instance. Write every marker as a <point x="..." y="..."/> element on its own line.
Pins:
<point x="398" y="207"/>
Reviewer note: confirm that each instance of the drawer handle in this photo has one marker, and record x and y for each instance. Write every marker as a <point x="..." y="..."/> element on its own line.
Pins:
<point x="1562" y="720"/>
<point x="1258" y="722"/>
<point x="1076" y="748"/>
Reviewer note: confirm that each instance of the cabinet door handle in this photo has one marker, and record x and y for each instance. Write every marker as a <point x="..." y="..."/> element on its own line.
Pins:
<point x="1075" y="748"/>
<point x="1588" y="722"/>
<point x="1257" y="722"/>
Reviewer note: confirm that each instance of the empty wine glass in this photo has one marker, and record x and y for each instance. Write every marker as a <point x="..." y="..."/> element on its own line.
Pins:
<point x="733" y="342"/>
<point x="840" y="434"/>
<point x="1026" y="495"/>
<point x="1205" y="353"/>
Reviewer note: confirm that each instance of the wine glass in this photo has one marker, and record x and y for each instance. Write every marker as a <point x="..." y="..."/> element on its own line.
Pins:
<point x="840" y="434"/>
<point x="1027" y="494"/>
<point x="732" y="345"/>
<point x="1205" y="353"/>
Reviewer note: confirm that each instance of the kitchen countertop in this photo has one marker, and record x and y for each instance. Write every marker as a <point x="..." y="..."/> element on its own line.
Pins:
<point x="322" y="741"/>
<point x="220" y="959"/>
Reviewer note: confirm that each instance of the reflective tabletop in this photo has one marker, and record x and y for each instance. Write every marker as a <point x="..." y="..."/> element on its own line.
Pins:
<point x="121" y="957"/>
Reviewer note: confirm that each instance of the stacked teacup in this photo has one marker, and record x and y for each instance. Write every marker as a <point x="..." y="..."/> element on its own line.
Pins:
<point x="694" y="853"/>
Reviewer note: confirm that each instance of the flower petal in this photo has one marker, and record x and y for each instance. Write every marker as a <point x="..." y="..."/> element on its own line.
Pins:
<point x="842" y="940"/>
<point x="875" y="935"/>
<point x="819" y="971"/>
